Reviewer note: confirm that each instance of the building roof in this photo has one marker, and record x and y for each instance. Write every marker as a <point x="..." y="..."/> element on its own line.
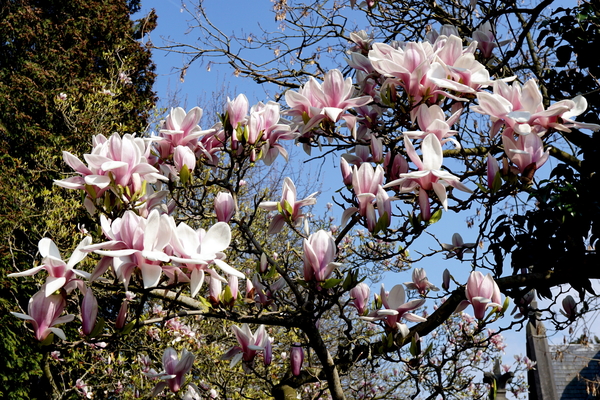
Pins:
<point x="576" y="370"/>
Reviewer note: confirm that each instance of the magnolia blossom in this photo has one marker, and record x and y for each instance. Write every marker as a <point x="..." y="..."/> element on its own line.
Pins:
<point x="320" y="251"/>
<point x="198" y="249"/>
<point x="430" y="176"/>
<point x="481" y="292"/>
<point x="288" y="207"/>
<point x="432" y="119"/>
<point x="237" y="110"/>
<point x="525" y="151"/>
<point x="296" y="358"/>
<point x="89" y="312"/>
<point x="60" y="274"/>
<point x="486" y="39"/>
<point x="175" y="368"/>
<point x="458" y="247"/>
<point x="521" y="108"/>
<point x="317" y="102"/>
<point x="179" y="129"/>
<point x="396" y="307"/>
<point x="224" y="206"/>
<point x="44" y="314"/>
<point x="249" y="344"/>
<point x="569" y="306"/>
<point x="360" y="297"/>
<point x="135" y="242"/>
<point x="420" y="283"/>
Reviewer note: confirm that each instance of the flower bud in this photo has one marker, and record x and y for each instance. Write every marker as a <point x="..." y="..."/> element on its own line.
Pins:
<point x="224" y="206"/>
<point x="296" y="358"/>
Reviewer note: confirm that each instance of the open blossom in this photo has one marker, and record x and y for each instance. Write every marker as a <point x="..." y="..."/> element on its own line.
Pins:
<point x="249" y="345"/>
<point x="45" y="313"/>
<point x="135" y="242"/>
<point x="486" y="39"/>
<point x="320" y="251"/>
<point x="420" y="283"/>
<point x="198" y="249"/>
<point x="179" y="129"/>
<point x="521" y="109"/>
<point x="288" y="207"/>
<point x="316" y="102"/>
<point x="481" y="292"/>
<point x="175" y="368"/>
<point x="432" y="119"/>
<point x="60" y="274"/>
<point x="429" y="176"/>
<point x="458" y="247"/>
<point x="395" y="308"/>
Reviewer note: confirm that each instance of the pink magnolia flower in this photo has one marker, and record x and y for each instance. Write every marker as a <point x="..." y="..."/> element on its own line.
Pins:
<point x="360" y="297"/>
<point x="430" y="176"/>
<point x="224" y="206"/>
<point x="526" y="150"/>
<point x="432" y="119"/>
<point x="420" y="283"/>
<point x="184" y="156"/>
<point x="288" y="207"/>
<point x="328" y="101"/>
<point x="89" y="312"/>
<point x="44" y="314"/>
<point x="175" y="368"/>
<point x="249" y="345"/>
<point x="179" y="129"/>
<point x="482" y="292"/>
<point x="120" y="163"/>
<point x="486" y="39"/>
<point x="396" y="307"/>
<point x="458" y="247"/>
<point x="296" y="358"/>
<point x="237" y="110"/>
<point x="135" y="242"/>
<point x="60" y="274"/>
<point x="198" y="249"/>
<point x="320" y="251"/>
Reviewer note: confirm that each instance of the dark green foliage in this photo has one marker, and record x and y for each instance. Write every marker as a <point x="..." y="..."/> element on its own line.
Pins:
<point x="46" y="48"/>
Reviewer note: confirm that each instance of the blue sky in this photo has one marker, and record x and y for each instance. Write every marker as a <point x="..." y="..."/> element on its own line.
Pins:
<point x="243" y="16"/>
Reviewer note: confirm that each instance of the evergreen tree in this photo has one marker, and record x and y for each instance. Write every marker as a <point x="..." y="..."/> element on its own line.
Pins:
<point x="68" y="70"/>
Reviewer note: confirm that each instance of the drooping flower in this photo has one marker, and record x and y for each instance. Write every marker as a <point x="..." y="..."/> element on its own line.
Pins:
<point x="45" y="313"/>
<point x="481" y="292"/>
<point x="175" y="368"/>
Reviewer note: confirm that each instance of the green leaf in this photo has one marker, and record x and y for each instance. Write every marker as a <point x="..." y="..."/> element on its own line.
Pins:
<point x="436" y="216"/>
<point x="184" y="174"/>
<point x="100" y="323"/>
<point x="329" y="283"/>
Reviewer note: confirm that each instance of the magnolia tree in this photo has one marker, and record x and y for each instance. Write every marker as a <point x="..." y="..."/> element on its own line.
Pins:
<point x="192" y="255"/>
